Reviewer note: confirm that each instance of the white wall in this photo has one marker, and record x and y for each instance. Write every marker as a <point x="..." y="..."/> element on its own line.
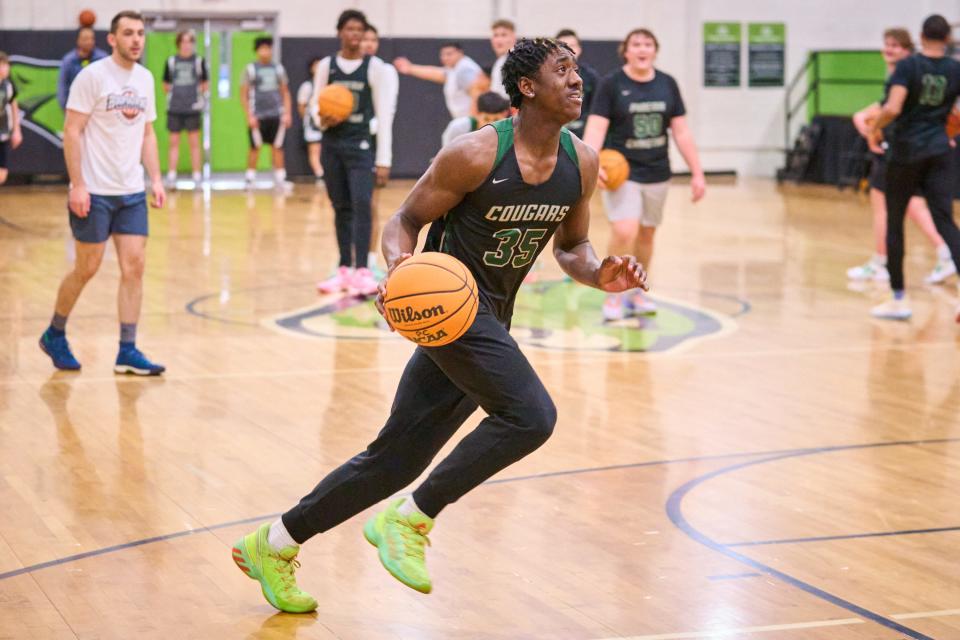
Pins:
<point x="739" y="129"/>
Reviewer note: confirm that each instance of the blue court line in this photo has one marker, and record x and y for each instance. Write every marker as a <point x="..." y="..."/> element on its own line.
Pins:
<point x="674" y="508"/>
<point x="130" y="545"/>
<point x="16" y="227"/>
<point x="782" y="453"/>
<point x="849" y="536"/>
<point x="735" y="576"/>
<point x="191" y="306"/>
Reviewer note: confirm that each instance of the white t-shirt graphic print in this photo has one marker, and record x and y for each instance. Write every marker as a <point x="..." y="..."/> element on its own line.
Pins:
<point x="120" y="103"/>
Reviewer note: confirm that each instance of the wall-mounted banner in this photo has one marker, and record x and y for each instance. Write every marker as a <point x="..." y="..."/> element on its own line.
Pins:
<point x="767" y="43"/>
<point x="721" y="54"/>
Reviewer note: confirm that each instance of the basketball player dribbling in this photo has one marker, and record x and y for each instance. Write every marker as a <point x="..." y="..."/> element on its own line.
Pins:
<point x="501" y="192"/>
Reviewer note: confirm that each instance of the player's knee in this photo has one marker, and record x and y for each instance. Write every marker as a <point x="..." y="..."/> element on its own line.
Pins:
<point x="539" y="420"/>
<point x="85" y="268"/>
<point x="625" y="232"/>
<point x="132" y="267"/>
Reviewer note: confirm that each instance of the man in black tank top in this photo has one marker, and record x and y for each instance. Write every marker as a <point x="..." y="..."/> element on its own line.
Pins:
<point x="923" y="90"/>
<point x="350" y="161"/>
<point x="502" y="192"/>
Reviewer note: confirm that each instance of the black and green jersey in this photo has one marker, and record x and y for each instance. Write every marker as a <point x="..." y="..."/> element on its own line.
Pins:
<point x="357" y="124"/>
<point x="499" y="229"/>
<point x="932" y="85"/>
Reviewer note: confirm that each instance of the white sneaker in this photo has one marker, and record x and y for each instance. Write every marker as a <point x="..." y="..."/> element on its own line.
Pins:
<point x="943" y="270"/>
<point x="363" y="283"/>
<point x="285" y="187"/>
<point x="893" y="309"/>
<point x="869" y="271"/>
<point x="340" y="281"/>
<point x="639" y="305"/>
<point x="613" y="307"/>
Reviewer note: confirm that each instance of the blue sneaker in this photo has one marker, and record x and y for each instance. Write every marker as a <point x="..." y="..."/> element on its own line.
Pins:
<point x="58" y="349"/>
<point x="132" y="360"/>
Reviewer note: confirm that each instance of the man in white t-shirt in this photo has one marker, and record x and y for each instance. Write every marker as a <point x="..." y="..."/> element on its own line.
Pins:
<point x="503" y="35"/>
<point x="108" y="130"/>
<point x="457" y="75"/>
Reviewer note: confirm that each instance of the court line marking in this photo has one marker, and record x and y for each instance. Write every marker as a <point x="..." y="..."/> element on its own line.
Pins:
<point x="878" y="534"/>
<point x="764" y="455"/>
<point x="600" y="356"/>
<point x="674" y="509"/>
<point x="727" y="631"/>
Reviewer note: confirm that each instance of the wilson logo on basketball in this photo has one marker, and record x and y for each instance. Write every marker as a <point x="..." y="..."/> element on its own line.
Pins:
<point x="409" y="314"/>
<point x="128" y="103"/>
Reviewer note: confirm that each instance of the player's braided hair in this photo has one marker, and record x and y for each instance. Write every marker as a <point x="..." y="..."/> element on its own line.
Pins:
<point x="524" y="60"/>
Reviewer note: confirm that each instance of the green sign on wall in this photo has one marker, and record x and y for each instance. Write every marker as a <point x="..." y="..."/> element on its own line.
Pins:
<point x="767" y="45"/>
<point x="721" y="54"/>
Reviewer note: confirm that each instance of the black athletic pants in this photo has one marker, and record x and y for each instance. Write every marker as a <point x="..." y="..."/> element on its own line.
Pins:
<point x="440" y="388"/>
<point x="348" y="175"/>
<point x="933" y="178"/>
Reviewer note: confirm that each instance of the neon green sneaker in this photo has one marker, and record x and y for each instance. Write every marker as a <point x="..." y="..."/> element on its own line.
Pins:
<point x="273" y="570"/>
<point x="401" y="541"/>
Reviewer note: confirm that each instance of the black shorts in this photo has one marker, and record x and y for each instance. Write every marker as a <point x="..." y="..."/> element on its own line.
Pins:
<point x="3" y="155"/>
<point x="878" y="173"/>
<point x="269" y="132"/>
<point x="177" y="122"/>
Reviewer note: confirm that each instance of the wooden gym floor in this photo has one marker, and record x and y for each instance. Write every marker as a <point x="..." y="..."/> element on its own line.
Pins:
<point x="790" y="474"/>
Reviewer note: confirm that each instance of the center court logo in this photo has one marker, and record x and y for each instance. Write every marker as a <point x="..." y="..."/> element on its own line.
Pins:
<point x="555" y="315"/>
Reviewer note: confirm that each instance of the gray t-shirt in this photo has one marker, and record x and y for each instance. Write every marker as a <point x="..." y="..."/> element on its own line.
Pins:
<point x="184" y="76"/>
<point x="7" y="94"/>
<point x="265" y="81"/>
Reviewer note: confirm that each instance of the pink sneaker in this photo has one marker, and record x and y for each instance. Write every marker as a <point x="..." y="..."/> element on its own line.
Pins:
<point x="339" y="281"/>
<point x="640" y="305"/>
<point x="613" y="307"/>
<point x="363" y="283"/>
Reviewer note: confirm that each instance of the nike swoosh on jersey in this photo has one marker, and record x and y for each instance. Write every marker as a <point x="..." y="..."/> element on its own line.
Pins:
<point x="625" y="92"/>
<point x="495" y="181"/>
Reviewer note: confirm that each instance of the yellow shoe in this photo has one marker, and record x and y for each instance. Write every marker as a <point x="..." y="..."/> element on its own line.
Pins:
<point x="274" y="570"/>
<point x="402" y="541"/>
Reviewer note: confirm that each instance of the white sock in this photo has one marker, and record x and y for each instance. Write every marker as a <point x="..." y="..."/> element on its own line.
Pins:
<point x="279" y="537"/>
<point x="196" y="176"/>
<point x="408" y="506"/>
<point x="251" y="174"/>
<point x="171" y="175"/>
<point x="279" y="175"/>
<point x="879" y="259"/>
<point x="943" y="252"/>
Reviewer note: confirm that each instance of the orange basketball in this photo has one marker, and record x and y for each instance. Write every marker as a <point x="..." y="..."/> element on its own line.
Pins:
<point x="335" y="101"/>
<point x="616" y="166"/>
<point x="953" y="124"/>
<point x="431" y="299"/>
<point x="87" y="18"/>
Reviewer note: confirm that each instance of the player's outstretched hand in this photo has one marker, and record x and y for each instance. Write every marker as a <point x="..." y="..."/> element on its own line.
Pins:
<point x="621" y="273"/>
<point x="382" y="287"/>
